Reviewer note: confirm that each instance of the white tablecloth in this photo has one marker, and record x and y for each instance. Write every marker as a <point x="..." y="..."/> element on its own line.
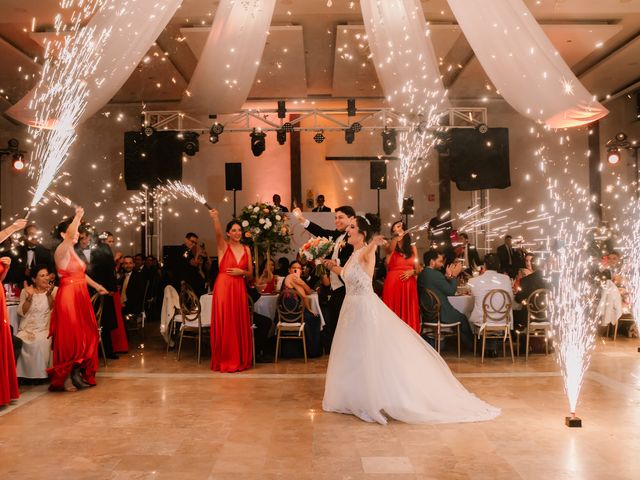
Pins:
<point x="266" y="305"/>
<point x="14" y="318"/>
<point x="462" y="303"/>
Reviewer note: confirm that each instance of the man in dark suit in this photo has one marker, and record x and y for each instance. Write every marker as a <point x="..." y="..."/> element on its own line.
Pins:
<point x="84" y="249"/>
<point x="321" y="207"/>
<point x="103" y="271"/>
<point x="340" y="254"/>
<point x="510" y="258"/>
<point x="186" y="266"/>
<point x="132" y="287"/>
<point x="469" y="254"/>
<point x="528" y="285"/>
<point x="276" y="202"/>
<point x="28" y="255"/>
<point x="444" y="285"/>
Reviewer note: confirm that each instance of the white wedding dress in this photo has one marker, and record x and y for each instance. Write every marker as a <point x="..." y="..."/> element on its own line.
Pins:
<point x="380" y="367"/>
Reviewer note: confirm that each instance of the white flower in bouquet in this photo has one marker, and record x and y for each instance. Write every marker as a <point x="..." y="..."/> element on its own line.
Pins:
<point x="261" y="221"/>
<point x="315" y="249"/>
<point x="278" y="218"/>
<point x="245" y="223"/>
<point x="250" y="207"/>
<point x="256" y="209"/>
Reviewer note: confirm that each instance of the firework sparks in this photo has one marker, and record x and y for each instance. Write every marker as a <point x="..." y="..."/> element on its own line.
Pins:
<point x="631" y="268"/>
<point x="573" y="324"/>
<point x="62" y="91"/>
<point x="177" y="188"/>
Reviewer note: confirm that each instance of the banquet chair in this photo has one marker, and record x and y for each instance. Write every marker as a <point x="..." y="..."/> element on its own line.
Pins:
<point x="135" y="321"/>
<point x="627" y="318"/>
<point x="538" y="320"/>
<point x="191" y="326"/>
<point x="97" y="301"/>
<point x="432" y="327"/>
<point x="291" y="323"/>
<point x="496" y="319"/>
<point x="250" y="305"/>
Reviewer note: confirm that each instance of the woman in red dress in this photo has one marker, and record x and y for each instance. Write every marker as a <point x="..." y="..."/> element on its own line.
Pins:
<point x="231" y="336"/>
<point x="400" y="291"/>
<point x="73" y="323"/>
<point x="8" y="377"/>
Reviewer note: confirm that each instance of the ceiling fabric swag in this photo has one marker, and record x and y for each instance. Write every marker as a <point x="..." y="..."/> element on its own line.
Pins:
<point x="523" y="64"/>
<point x="230" y="59"/>
<point x="403" y="55"/>
<point x="134" y="26"/>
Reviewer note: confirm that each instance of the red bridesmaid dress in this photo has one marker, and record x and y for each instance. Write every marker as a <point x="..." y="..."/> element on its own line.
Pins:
<point x="399" y="295"/>
<point x="8" y="378"/>
<point x="231" y="342"/>
<point x="73" y="327"/>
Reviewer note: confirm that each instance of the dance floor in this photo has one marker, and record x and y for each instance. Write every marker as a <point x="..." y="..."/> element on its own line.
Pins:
<point x="152" y="417"/>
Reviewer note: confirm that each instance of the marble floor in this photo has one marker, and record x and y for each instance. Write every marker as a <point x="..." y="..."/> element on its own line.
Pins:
<point x="152" y="417"/>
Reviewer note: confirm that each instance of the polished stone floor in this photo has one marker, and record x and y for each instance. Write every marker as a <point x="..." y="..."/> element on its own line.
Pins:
<point x="152" y="417"/>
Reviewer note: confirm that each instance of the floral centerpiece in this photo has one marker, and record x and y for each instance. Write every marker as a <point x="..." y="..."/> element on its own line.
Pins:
<point x="263" y="224"/>
<point x="317" y="248"/>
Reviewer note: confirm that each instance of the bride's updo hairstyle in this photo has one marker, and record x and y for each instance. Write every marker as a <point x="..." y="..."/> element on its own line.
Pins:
<point x="368" y="225"/>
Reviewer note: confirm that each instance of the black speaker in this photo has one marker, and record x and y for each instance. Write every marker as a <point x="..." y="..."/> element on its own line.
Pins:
<point x="151" y="160"/>
<point x="233" y="176"/>
<point x="479" y="161"/>
<point x="378" y="175"/>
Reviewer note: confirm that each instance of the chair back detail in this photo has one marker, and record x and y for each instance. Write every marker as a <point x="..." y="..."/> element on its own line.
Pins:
<point x="290" y="306"/>
<point x="189" y="304"/>
<point x="496" y="306"/>
<point x="98" y="304"/>
<point x="430" y="307"/>
<point x="539" y="305"/>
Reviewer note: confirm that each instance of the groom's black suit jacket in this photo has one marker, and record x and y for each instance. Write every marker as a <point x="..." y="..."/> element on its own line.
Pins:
<point x="345" y="250"/>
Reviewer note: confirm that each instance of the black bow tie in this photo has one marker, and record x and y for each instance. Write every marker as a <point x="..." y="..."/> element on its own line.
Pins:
<point x="31" y="248"/>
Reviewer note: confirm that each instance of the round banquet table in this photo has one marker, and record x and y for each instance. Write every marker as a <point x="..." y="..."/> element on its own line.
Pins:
<point x="266" y="305"/>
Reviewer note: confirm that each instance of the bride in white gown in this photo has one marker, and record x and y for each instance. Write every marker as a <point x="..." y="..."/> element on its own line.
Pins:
<point x="379" y="367"/>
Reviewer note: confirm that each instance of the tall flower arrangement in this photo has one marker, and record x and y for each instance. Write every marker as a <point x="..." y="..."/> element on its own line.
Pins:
<point x="264" y="228"/>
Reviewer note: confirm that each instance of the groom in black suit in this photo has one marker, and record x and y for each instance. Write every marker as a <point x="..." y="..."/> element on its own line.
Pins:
<point x="341" y="253"/>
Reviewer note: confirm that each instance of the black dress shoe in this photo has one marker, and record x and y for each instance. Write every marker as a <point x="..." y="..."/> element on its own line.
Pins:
<point x="113" y="356"/>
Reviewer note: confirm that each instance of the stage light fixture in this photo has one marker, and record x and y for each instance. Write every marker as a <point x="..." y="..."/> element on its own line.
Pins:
<point x="18" y="161"/>
<point x="356" y="127"/>
<point x="318" y="137"/>
<point x="389" y="141"/>
<point x="217" y="128"/>
<point x="281" y="136"/>
<point x="613" y="155"/>
<point x="148" y="131"/>
<point x="621" y="136"/>
<point x="482" y="128"/>
<point x="349" y="136"/>
<point x="407" y="206"/>
<point x="191" y="144"/>
<point x="13" y="143"/>
<point x="351" y="107"/>
<point x="213" y="138"/>
<point x="282" y="109"/>
<point x="258" y="143"/>
<point x="288" y="127"/>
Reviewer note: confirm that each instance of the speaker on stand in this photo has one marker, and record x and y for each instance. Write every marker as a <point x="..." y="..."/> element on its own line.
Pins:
<point x="378" y="178"/>
<point x="233" y="180"/>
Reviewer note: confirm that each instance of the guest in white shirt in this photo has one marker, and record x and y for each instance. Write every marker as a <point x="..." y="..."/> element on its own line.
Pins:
<point x="35" y="307"/>
<point x="483" y="284"/>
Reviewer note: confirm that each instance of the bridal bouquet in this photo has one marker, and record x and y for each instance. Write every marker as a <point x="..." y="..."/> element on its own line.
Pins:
<point x="317" y="248"/>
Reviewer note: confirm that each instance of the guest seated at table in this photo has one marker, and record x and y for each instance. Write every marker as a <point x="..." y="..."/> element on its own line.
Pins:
<point x="489" y="280"/>
<point x="282" y="270"/>
<point x="312" y="321"/>
<point x="308" y="274"/>
<point x="267" y="281"/>
<point x="35" y="307"/>
<point x="443" y="285"/>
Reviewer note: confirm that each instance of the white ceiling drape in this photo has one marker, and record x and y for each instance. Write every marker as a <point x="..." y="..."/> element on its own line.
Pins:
<point x="227" y="67"/>
<point x="403" y="55"/>
<point x="135" y="25"/>
<point x="523" y="64"/>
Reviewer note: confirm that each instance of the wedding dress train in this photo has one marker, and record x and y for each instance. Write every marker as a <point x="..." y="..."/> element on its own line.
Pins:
<point x="379" y="367"/>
